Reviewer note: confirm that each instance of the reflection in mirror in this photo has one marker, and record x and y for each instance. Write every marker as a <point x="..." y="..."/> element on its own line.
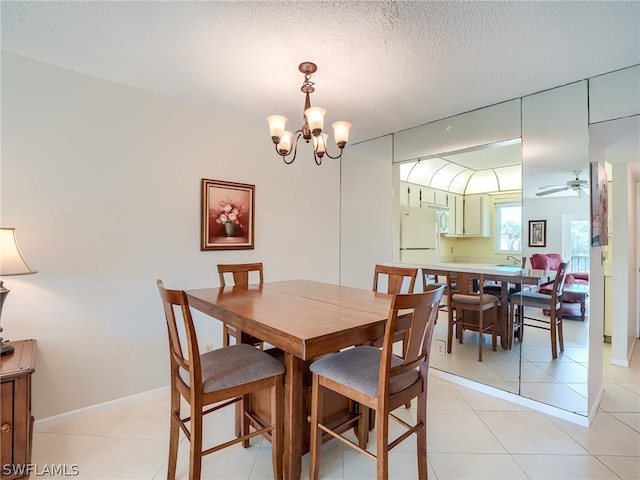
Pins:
<point x="443" y="184"/>
<point x="556" y="145"/>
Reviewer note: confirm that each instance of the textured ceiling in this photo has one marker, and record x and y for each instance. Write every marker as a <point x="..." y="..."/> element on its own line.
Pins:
<point x="384" y="66"/>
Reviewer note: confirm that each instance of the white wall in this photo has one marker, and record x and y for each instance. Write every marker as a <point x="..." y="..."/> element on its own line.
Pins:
<point x="625" y="231"/>
<point x="366" y="235"/>
<point x="102" y="183"/>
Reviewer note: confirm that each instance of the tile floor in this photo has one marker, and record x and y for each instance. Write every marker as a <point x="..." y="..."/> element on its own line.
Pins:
<point x="528" y="369"/>
<point x="470" y="436"/>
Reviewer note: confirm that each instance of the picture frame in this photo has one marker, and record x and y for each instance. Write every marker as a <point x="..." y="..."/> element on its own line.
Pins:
<point x="600" y="220"/>
<point x="227" y="215"/>
<point x="537" y="233"/>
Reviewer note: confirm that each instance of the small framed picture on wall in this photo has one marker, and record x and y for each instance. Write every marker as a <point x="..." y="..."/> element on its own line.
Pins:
<point x="227" y="215"/>
<point x="537" y="233"/>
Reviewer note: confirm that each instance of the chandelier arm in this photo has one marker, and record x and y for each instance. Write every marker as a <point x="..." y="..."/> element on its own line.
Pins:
<point x="337" y="157"/>
<point x="297" y="135"/>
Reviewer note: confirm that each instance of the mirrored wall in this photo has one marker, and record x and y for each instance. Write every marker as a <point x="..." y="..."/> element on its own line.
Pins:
<point x="551" y="131"/>
<point x="543" y="138"/>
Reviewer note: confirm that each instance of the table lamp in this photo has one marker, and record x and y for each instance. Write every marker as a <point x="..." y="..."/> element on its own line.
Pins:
<point x="11" y="263"/>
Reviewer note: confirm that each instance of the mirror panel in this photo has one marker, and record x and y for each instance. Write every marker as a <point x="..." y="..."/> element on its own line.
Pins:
<point x="555" y="144"/>
<point x="614" y="95"/>
<point x="462" y="175"/>
<point x="480" y="127"/>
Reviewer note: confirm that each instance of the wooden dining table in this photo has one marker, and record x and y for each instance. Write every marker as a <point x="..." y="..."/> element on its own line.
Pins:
<point x="305" y="319"/>
<point x="501" y="274"/>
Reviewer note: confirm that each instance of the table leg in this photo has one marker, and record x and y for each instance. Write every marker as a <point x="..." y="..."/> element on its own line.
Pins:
<point x="293" y="404"/>
<point x="583" y="307"/>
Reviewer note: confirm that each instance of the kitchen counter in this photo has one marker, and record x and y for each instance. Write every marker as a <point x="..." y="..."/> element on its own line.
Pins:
<point x="514" y="271"/>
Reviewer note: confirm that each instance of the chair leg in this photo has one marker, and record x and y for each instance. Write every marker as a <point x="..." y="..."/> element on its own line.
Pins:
<point x="277" y="440"/>
<point x="560" y="335"/>
<point x="480" y="334"/>
<point x="553" y="329"/>
<point x="421" y="435"/>
<point x="404" y="344"/>
<point x="382" y="445"/>
<point x="174" y="432"/>
<point x="195" y="445"/>
<point x="315" y="440"/>
<point x="494" y="330"/>
<point x="363" y="426"/>
<point x="243" y="406"/>
<point x="450" y="329"/>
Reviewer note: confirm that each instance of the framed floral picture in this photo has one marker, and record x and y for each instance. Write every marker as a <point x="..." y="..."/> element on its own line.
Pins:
<point x="537" y="233"/>
<point x="227" y="215"/>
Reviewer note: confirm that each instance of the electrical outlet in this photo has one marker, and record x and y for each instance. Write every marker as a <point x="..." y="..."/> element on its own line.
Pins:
<point x="208" y="348"/>
<point x="440" y="347"/>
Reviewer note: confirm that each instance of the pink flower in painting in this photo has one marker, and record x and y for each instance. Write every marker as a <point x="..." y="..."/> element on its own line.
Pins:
<point x="229" y="212"/>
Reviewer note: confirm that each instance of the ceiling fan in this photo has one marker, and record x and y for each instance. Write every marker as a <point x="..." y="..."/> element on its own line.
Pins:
<point x="576" y="185"/>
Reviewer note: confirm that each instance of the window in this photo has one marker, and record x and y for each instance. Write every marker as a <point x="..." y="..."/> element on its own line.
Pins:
<point x="508" y="235"/>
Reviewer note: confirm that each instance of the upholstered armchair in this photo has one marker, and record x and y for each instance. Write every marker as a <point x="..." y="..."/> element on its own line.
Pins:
<point x="551" y="261"/>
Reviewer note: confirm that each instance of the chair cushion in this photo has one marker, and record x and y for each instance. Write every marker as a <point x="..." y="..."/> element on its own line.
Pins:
<point x="359" y="368"/>
<point x="532" y="299"/>
<point x="234" y="365"/>
<point x="473" y="299"/>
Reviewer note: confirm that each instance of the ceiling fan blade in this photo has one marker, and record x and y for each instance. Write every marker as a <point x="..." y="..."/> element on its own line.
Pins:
<point x="555" y="190"/>
<point x="549" y="186"/>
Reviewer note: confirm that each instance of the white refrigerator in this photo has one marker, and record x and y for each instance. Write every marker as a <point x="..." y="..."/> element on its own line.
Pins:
<point x="418" y="235"/>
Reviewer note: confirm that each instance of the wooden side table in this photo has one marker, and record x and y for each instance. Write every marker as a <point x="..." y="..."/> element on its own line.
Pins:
<point x="16" y="422"/>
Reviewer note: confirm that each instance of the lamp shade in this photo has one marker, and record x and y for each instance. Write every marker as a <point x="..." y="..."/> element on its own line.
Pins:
<point x="276" y="126"/>
<point x="11" y="260"/>
<point x="315" y="117"/>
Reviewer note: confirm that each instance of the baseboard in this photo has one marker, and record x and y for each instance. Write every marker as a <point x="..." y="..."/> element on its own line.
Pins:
<point x="100" y="407"/>
<point x="513" y="398"/>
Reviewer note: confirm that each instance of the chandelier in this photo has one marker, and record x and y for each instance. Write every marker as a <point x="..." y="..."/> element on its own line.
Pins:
<point x="287" y="143"/>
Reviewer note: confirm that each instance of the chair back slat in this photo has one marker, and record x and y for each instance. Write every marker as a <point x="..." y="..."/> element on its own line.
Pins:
<point x="240" y="273"/>
<point x="558" y="283"/>
<point x="421" y="311"/>
<point x="396" y="277"/>
<point x="173" y="301"/>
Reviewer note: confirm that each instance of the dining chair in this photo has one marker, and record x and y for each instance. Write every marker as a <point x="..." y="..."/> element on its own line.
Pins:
<point x="240" y="273"/>
<point x="381" y="382"/>
<point x="470" y="308"/>
<point x="552" y="303"/>
<point x="215" y="380"/>
<point x="396" y="279"/>
<point x="431" y="278"/>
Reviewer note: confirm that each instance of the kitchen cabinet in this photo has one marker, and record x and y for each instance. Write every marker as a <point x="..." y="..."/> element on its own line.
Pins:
<point x="476" y="215"/>
<point x="427" y="195"/>
<point x="456" y="215"/>
<point x="441" y="198"/>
